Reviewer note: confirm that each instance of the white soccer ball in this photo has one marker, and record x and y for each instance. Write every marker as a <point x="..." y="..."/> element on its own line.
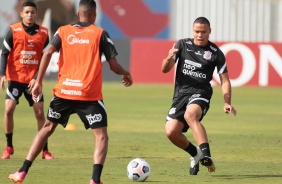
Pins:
<point x="138" y="170"/>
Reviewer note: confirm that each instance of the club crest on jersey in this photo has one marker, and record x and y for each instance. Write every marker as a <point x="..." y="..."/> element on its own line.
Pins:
<point x="207" y="55"/>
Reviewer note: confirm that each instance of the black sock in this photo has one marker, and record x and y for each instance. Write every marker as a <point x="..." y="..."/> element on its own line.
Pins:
<point x="97" y="171"/>
<point x="191" y="149"/>
<point x="205" y="148"/>
<point x="45" y="147"/>
<point x="9" y="139"/>
<point x="26" y="166"/>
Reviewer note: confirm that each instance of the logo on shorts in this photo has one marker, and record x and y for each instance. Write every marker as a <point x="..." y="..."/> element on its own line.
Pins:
<point x="194" y="96"/>
<point x="94" y="119"/>
<point x="172" y="110"/>
<point x="205" y="111"/>
<point x="15" y="92"/>
<point x="53" y="114"/>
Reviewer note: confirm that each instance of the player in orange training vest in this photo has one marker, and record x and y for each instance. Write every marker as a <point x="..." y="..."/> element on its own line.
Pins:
<point x="79" y="85"/>
<point x="20" y="59"/>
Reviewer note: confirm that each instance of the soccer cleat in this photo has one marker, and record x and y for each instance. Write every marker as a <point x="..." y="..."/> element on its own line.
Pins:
<point x="47" y="155"/>
<point x="17" y="177"/>
<point x="194" y="164"/>
<point x="92" y="182"/>
<point x="207" y="161"/>
<point x="8" y="151"/>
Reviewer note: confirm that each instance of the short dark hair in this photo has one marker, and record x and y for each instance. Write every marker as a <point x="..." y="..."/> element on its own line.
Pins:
<point x="29" y="3"/>
<point x="91" y="4"/>
<point x="202" y="20"/>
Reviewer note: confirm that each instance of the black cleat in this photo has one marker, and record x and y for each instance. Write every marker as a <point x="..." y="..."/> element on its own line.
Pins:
<point x="194" y="170"/>
<point x="207" y="162"/>
<point x="194" y="164"/>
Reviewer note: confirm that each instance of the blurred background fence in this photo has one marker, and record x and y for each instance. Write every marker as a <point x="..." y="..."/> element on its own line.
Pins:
<point x="231" y="20"/>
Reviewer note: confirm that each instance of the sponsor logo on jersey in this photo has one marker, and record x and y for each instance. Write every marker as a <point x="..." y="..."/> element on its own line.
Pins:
<point x="30" y="44"/>
<point x="26" y="58"/>
<point x="89" y="30"/>
<point x="192" y="63"/>
<point x="71" y="92"/>
<point x="71" y="82"/>
<point x="44" y="31"/>
<point x="94" y="119"/>
<point x="198" y="53"/>
<point x="194" y="74"/>
<point x="189" y="43"/>
<point x="207" y="55"/>
<point x="189" y="68"/>
<point x="78" y="32"/>
<point x="72" y="39"/>
<point x="213" y="48"/>
<point x="53" y="114"/>
<point x="18" y="29"/>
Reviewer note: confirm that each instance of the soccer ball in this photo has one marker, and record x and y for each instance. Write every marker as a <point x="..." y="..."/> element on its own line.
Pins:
<point x="138" y="170"/>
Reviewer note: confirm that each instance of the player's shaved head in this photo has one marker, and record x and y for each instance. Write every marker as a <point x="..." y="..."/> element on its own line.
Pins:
<point x="87" y="6"/>
<point x="87" y="11"/>
<point x="202" y="20"/>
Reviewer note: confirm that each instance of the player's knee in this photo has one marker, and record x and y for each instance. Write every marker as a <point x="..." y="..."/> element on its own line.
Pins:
<point x="103" y="138"/>
<point x="49" y="126"/>
<point x="39" y="115"/>
<point x="190" y="118"/>
<point x="9" y="112"/>
<point x="170" y="133"/>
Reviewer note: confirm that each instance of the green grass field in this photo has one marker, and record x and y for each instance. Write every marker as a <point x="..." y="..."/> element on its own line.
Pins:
<point x="246" y="148"/>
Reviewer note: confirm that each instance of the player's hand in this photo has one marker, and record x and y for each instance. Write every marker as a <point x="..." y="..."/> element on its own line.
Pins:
<point x="127" y="80"/>
<point x="172" y="52"/>
<point x="30" y="85"/>
<point x="3" y="80"/>
<point x="36" y="92"/>
<point x="229" y="109"/>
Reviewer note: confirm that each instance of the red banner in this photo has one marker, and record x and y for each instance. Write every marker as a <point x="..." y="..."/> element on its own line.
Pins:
<point x="256" y="64"/>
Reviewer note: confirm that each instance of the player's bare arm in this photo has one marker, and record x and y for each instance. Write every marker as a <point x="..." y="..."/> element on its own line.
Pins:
<point x="169" y="62"/>
<point x="3" y="80"/>
<point x="37" y="88"/>
<point x="118" y="69"/>
<point x="4" y="56"/>
<point x="45" y="62"/>
<point x="30" y="85"/>
<point x="226" y="91"/>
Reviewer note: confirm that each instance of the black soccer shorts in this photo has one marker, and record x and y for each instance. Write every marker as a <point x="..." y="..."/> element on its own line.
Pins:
<point x="92" y="113"/>
<point x="15" y="91"/>
<point x="179" y="105"/>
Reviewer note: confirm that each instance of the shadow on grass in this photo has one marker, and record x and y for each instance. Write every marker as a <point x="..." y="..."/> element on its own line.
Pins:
<point x="248" y="176"/>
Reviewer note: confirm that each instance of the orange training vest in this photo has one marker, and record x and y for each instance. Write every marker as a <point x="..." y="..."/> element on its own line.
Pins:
<point x="24" y="58"/>
<point x="80" y="65"/>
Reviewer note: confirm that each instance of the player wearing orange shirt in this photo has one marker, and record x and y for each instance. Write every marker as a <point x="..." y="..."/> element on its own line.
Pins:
<point x="20" y="58"/>
<point x="79" y="86"/>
